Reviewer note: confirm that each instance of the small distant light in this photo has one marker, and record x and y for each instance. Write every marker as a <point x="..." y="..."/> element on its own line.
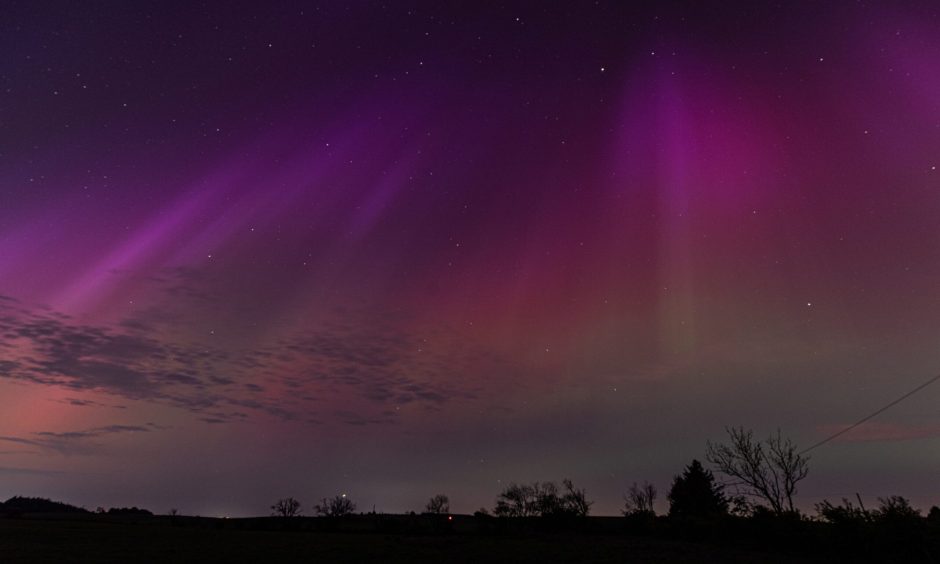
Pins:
<point x="450" y="517"/>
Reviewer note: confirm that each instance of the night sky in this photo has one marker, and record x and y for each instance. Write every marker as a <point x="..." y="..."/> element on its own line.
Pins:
<point x="398" y="249"/>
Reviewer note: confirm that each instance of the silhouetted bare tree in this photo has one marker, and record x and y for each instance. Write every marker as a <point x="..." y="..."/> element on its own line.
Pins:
<point x="547" y="501"/>
<point x="575" y="500"/>
<point x="286" y="507"/>
<point x="640" y="499"/>
<point x="337" y="506"/>
<point x="542" y="499"/>
<point x="769" y="470"/>
<point x="438" y="504"/>
<point x="517" y="500"/>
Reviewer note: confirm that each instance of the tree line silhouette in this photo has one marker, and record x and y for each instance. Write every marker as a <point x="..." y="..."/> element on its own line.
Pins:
<point x="742" y="494"/>
<point x="745" y="495"/>
<point x="763" y="474"/>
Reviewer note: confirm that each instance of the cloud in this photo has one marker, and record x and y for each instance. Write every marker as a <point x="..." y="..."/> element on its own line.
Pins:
<point x="49" y="349"/>
<point x="97" y="432"/>
<point x="81" y="402"/>
<point x="212" y="420"/>
<point x="12" y="471"/>
<point x="365" y="360"/>
<point x="77" y="442"/>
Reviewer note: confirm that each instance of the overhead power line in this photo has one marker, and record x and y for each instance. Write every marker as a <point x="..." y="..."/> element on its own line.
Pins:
<point x="872" y="414"/>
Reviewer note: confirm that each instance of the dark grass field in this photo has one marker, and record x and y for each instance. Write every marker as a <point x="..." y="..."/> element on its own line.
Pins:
<point x="106" y="541"/>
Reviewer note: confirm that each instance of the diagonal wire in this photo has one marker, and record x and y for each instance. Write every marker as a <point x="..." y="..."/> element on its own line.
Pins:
<point x="872" y="414"/>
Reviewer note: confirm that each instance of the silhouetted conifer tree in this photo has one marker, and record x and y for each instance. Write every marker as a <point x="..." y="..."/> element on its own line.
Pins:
<point x="696" y="494"/>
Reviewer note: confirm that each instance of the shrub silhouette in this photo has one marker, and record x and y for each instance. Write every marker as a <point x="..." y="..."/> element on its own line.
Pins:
<point x="845" y="514"/>
<point x="696" y="494"/>
<point x="337" y="506"/>
<point x="129" y="511"/>
<point x="933" y="516"/>
<point x="895" y="509"/>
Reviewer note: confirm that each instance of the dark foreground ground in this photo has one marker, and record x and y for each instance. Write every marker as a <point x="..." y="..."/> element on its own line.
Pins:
<point x="102" y="541"/>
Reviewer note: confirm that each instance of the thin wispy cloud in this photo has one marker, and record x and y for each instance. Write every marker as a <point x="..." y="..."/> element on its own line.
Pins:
<point x="84" y="442"/>
<point x="15" y="471"/>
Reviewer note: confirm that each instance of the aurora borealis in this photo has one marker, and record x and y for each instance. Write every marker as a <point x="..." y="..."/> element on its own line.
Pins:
<point x="250" y="250"/>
